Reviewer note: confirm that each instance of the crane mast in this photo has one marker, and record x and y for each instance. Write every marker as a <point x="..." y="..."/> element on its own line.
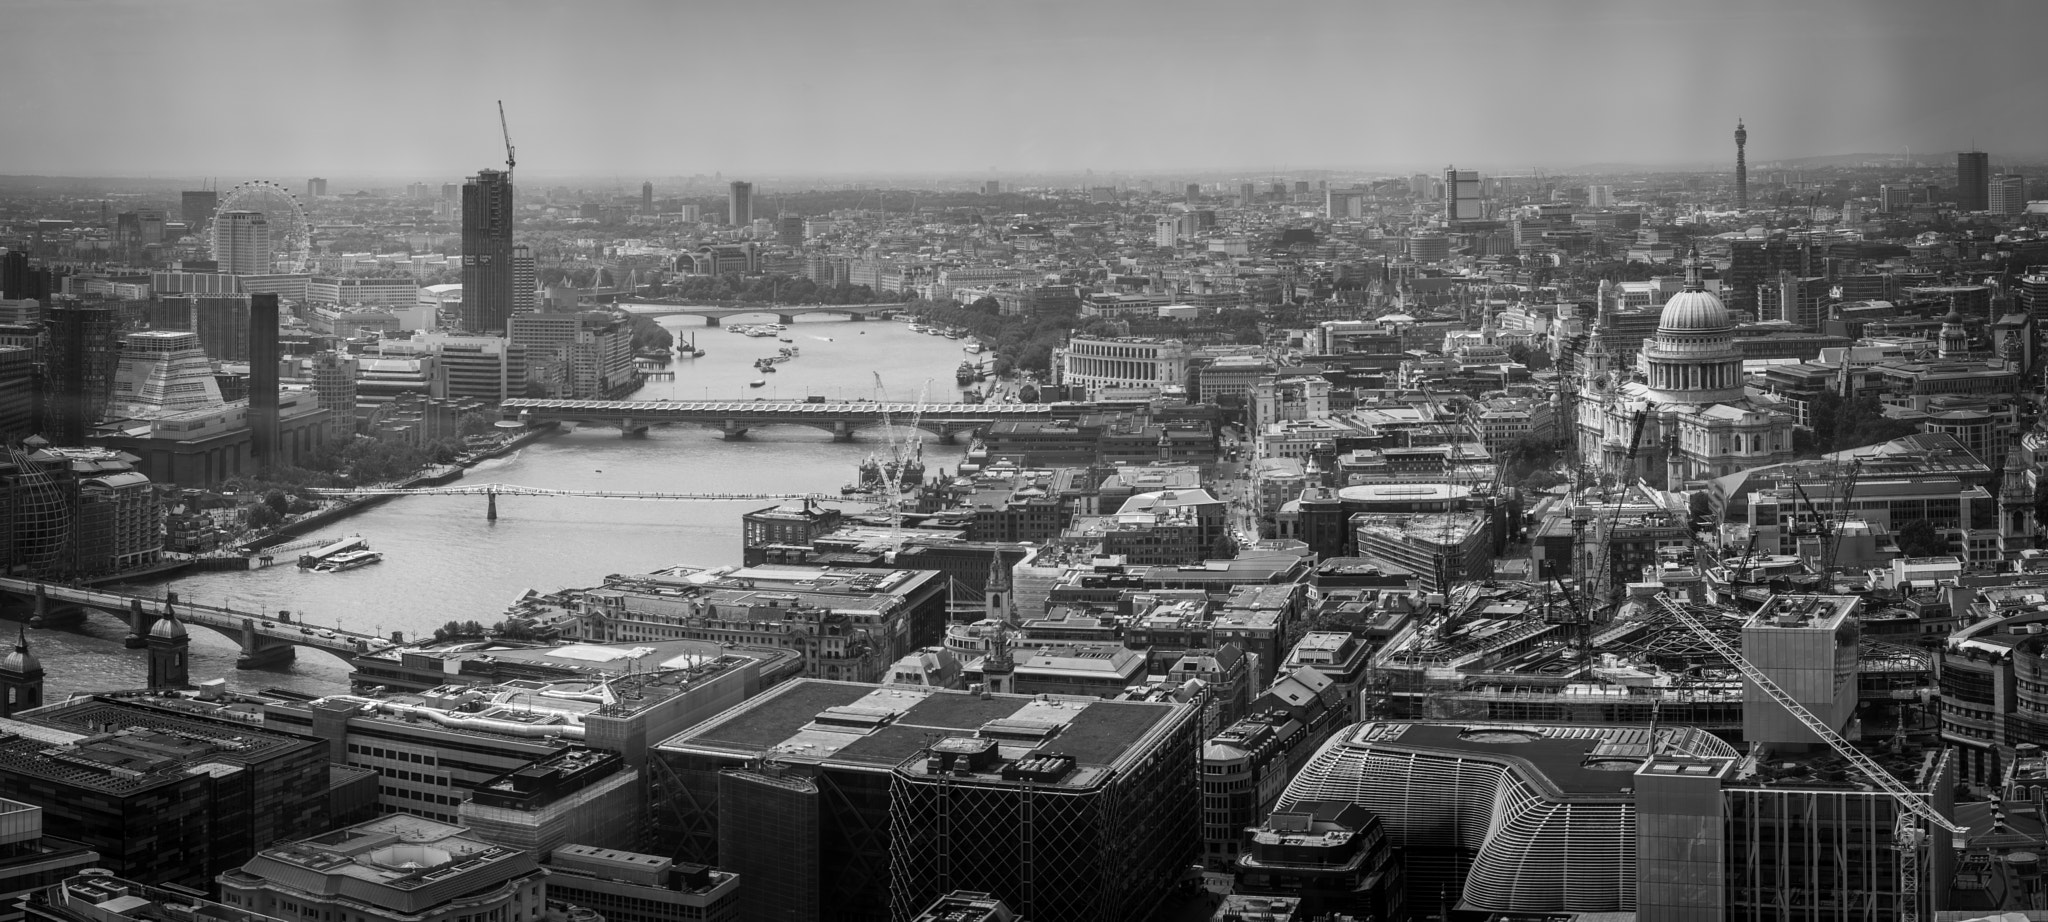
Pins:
<point x="506" y="127"/>
<point x="1907" y="836"/>
<point x="891" y="489"/>
<point x="1607" y="592"/>
<point x="1847" y="505"/>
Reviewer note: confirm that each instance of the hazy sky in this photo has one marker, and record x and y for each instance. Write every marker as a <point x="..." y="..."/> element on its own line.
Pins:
<point x="284" y="89"/>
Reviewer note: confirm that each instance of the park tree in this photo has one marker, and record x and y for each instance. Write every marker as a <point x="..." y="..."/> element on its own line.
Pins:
<point x="1919" y="538"/>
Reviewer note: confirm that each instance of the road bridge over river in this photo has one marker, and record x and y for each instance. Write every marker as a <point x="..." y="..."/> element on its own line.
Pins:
<point x="266" y="638"/>
<point x="841" y="418"/>
<point x="714" y="315"/>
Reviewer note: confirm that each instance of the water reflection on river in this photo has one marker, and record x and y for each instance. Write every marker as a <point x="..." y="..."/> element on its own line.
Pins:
<point x="443" y="561"/>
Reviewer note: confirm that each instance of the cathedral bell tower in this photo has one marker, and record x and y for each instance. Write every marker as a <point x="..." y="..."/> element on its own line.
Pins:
<point x="1955" y="337"/>
<point x="996" y="593"/>
<point x="170" y="661"/>
<point x="21" y="678"/>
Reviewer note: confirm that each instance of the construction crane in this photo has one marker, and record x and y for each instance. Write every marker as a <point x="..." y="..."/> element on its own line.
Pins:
<point x="507" y="129"/>
<point x="1821" y="524"/>
<point x="891" y="489"/>
<point x="1607" y="593"/>
<point x="1844" y="506"/>
<point x="1743" y="569"/>
<point x="1908" y="836"/>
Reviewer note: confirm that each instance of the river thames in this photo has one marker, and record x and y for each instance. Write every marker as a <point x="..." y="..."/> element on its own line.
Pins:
<point x="443" y="562"/>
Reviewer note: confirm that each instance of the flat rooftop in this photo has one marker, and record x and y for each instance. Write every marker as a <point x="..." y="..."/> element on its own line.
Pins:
<point x="1575" y="760"/>
<point x="877" y="727"/>
<point x="1804" y="612"/>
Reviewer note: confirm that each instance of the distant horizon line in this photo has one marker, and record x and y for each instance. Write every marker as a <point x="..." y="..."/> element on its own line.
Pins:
<point x="1935" y="158"/>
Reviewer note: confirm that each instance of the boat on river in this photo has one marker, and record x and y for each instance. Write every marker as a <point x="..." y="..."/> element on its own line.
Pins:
<point x="348" y="560"/>
<point x="758" y="382"/>
<point x="313" y="560"/>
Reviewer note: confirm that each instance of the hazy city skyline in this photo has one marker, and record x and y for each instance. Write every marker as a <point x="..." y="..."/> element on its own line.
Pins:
<point x="905" y="87"/>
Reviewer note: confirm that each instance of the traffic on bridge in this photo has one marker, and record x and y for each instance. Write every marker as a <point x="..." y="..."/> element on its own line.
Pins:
<point x="653" y="409"/>
<point x="265" y="638"/>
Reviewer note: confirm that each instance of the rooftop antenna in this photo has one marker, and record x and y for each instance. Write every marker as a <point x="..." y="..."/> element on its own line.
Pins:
<point x="507" y="129"/>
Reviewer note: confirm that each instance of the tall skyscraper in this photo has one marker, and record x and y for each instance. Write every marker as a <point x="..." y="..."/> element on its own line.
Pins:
<point x="1973" y="181"/>
<point x="1741" y="166"/>
<point x="222" y="322"/>
<point x="646" y="198"/>
<point x="196" y="208"/>
<point x="2008" y="194"/>
<point x="18" y="280"/>
<point x="525" y="281"/>
<point x="85" y="346"/>
<point x="17" y="395"/>
<point x="316" y="187"/>
<point x="487" y="251"/>
<point x="262" y="380"/>
<point x="1461" y="196"/>
<point x="740" y="205"/>
<point x="241" y="243"/>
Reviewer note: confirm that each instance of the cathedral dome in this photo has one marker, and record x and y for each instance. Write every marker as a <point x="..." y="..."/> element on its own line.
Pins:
<point x="1694" y="311"/>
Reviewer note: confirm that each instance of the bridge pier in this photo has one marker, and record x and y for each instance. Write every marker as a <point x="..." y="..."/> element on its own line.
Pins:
<point x="785" y="319"/>
<point x="629" y="429"/>
<point x="138" y="626"/>
<point x="842" y="431"/>
<point x="45" y="613"/>
<point x="259" y="650"/>
<point x="711" y="320"/>
<point x="491" y="507"/>
<point x="733" y="430"/>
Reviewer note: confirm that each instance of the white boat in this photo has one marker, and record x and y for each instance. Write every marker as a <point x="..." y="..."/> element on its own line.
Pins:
<point x="348" y="560"/>
<point x="326" y="552"/>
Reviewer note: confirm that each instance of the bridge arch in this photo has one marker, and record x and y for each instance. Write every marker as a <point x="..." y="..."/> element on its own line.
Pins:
<point x="265" y="638"/>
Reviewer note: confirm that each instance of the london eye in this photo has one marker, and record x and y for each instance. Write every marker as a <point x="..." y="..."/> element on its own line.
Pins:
<point x="291" y="235"/>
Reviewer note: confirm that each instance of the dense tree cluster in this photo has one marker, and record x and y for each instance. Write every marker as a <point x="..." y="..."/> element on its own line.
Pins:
<point x="460" y="630"/>
<point x="649" y="336"/>
<point x="1839" y="425"/>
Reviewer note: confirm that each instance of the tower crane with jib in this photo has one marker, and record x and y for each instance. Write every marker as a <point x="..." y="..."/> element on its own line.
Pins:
<point x="1909" y="836"/>
<point x="1608" y="594"/>
<point x="891" y="488"/>
<point x="507" y="129"/>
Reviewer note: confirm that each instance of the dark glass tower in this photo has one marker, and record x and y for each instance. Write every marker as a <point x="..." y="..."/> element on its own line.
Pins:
<point x="1973" y="181"/>
<point x="487" y="252"/>
<point x="85" y="343"/>
<point x="263" y="380"/>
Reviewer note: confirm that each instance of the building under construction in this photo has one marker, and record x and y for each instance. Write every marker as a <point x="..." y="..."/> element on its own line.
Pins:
<point x="1601" y="778"/>
<point x="1523" y="651"/>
